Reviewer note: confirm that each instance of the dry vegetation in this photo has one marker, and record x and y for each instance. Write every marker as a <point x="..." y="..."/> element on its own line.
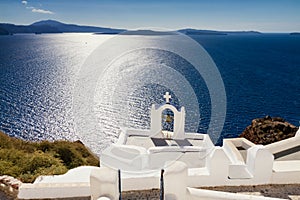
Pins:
<point x="28" y="160"/>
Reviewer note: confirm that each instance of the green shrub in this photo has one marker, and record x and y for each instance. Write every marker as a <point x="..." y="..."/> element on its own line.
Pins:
<point x="41" y="160"/>
<point x="28" y="160"/>
<point x="66" y="155"/>
<point x="44" y="146"/>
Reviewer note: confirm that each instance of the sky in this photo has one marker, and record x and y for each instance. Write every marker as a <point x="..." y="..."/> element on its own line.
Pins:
<point x="257" y="15"/>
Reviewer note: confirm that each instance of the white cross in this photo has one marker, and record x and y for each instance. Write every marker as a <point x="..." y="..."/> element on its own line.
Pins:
<point x="167" y="96"/>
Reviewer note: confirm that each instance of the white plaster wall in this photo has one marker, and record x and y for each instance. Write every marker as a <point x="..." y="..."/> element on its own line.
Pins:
<point x="125" y="157"/>
<point x="75" y="183"/>
<point x="175" y="180"/>
<point x="215" y="172"/>
<point x="286" y="172"/>
<point x="104" y="183"/>
<point x="260" y="163"/>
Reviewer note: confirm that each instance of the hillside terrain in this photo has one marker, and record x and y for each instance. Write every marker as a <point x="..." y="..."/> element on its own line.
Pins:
<point x="28" y="160"/>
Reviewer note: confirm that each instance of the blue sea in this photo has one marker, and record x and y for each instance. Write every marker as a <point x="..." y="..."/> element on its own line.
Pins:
<point x="39" y="73"/>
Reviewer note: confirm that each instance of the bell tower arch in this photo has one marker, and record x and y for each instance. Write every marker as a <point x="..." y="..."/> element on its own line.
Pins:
<point x="178" y="118"/>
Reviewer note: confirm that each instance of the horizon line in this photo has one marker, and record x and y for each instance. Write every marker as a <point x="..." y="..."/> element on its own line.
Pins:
<point x="161" y="28"/>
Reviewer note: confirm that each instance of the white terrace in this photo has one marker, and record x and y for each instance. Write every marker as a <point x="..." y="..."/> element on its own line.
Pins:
<point x="190" y="160"/>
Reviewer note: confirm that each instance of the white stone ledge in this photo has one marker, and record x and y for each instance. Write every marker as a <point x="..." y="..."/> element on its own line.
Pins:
<point x="232" y="152"/>
<point x="50" y="190"/>
<point x="176" y="149"/>
<point x="196" y="194"/>
<point x="286" y="166"/>
<point x="283" y="145"/>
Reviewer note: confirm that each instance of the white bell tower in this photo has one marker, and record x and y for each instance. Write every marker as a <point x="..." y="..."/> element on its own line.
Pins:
<point x="179" y="118"/>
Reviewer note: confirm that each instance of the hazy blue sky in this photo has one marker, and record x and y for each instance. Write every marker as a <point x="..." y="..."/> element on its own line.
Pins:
<point x="261" y="15"/>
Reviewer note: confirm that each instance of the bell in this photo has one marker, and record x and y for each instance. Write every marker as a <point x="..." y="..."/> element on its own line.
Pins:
<point x="169" y="118"/>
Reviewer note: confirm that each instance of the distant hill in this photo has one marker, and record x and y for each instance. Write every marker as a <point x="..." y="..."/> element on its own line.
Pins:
<point x="149" y="32"/>
<point x="51" y="26"/>
<point x="3" y="31"/>
<point x="190" y="31"/>
<point x="295" y="33"/>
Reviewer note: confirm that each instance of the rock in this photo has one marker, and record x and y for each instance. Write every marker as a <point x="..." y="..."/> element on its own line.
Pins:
<point x="9" y="187"/>
<point x="9" y="181"/>
<point x="268" y="130"/>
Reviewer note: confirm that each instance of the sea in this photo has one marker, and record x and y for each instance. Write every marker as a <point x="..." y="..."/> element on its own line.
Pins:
<point x="40" y="85"/>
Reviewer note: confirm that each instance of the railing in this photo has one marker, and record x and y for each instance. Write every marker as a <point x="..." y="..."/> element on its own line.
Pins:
<point x="162" y="191"/>
<point x="120" y="186"/>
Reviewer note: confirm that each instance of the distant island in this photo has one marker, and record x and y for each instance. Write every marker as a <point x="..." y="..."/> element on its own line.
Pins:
<point x="52" y="26"/>
<point x="212" y="32"/>
<point x="3" y="31"/>
<point x="149" y="32"/>
<point x="295" y="33"/>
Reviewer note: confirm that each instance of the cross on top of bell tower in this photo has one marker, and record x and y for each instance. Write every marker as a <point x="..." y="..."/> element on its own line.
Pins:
<point x="167" y="96"/>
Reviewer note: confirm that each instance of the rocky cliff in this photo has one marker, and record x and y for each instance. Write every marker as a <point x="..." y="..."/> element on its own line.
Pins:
<point x="268" y="130"/>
